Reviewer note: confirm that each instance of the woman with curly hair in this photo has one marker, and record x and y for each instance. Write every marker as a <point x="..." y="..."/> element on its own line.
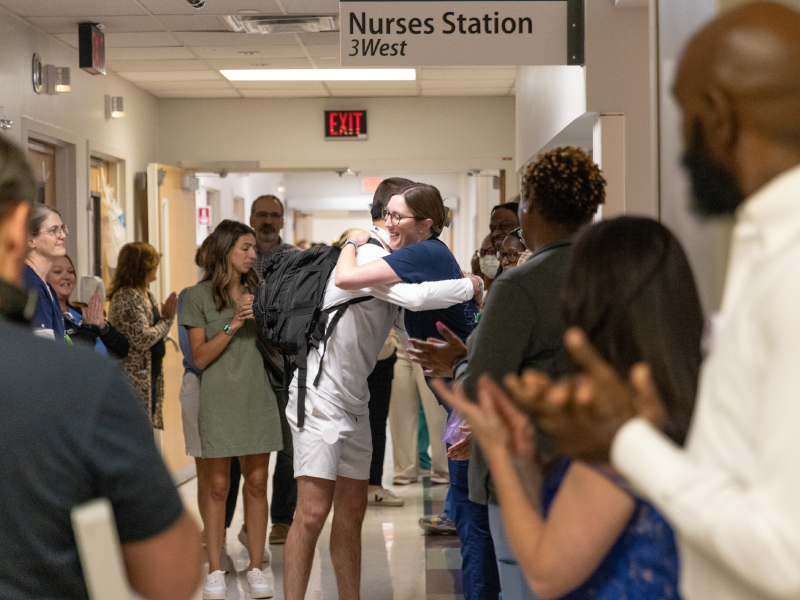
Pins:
<point x="238" y="409"/>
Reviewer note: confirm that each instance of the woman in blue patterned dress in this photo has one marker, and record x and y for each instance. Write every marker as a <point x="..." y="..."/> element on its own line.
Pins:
<point x="576" y="529"/>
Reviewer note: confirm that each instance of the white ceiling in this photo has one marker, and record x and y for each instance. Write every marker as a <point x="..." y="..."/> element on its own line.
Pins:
<point x="173" y="50"/>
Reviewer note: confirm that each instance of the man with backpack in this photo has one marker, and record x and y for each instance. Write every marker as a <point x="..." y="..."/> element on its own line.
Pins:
<point x="328" y="398"/>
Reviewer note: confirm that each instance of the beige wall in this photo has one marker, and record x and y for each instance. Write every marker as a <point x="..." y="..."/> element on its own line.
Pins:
<point x="405" y="134"/>
<point x="77" y="117"/>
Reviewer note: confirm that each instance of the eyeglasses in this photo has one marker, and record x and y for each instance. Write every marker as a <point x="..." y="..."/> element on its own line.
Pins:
<point x="509" y="256"/>
<point x="266" y="215"/>
<point x="54" y="231"/>
<point x="392" y="218"/>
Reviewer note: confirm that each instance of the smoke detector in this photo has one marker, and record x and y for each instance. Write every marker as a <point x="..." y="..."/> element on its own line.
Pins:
<point x="282" y="24"/>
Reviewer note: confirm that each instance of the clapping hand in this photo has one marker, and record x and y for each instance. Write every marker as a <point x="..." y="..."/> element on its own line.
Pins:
<point x="170" y="306"/>
<point x="584" y="412"/>
<point x="436" y="356"/>
<point x="93" y="314"/>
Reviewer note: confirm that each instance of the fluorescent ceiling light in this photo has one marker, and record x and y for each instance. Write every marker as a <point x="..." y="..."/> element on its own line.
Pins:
<point x="321" y="75"/>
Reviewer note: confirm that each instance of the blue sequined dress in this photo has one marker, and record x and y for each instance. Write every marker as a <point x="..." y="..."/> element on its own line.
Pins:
<point x="642" y="564"/>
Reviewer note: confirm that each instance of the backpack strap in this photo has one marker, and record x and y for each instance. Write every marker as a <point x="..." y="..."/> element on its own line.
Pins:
<point x="302" y="372"/>
<point x="338" y="312"/>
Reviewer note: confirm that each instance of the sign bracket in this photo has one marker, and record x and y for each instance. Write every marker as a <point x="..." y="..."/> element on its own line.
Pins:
<point x="576" y="32"/>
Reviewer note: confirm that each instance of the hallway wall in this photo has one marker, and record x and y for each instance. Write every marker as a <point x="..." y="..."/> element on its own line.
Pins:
<point x="405" y="134"/>
<point x="77" y="117"/>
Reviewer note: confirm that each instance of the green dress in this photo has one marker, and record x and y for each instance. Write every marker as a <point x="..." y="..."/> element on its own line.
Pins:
<point x="238" y="409"/>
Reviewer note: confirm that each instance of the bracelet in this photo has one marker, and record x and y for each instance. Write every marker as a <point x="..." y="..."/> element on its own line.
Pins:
<point x="480" y="282"/>
<point x="350" y="241"/>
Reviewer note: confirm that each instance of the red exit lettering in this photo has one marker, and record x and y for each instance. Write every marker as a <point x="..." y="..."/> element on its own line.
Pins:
<point x="345" y="123"/>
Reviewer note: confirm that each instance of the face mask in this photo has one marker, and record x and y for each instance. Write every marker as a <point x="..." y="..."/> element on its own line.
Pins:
<point x="490" y="265"/>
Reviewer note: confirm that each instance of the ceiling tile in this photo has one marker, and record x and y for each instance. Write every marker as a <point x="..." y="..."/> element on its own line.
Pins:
<point x="137" y="76"/>
<point x="129" y="40"/>
<point x="111" y="24"/>
<point x="446" y="84"/>
<point x="326" y="51"/>
<point x="466" y="92"/>
<point x="159" y="86"/>
<point x="312" y="7"/>
<point x="328" y="63"/>
<point x="382" y="85"/>
<point x="240" y="52"/>
<point x="504" y="73"/>
<point x="157" y="65"/>
<point x="229" y="38"/>
<point x="174" y="53"/>
<point x="74" y="8"/>
<point x="188" y="94"/>
<point x="256" y="63"/>
<point x="323" y="38"/>
<point x="373" y="93"/>
<point x="212" y="7"/>
<point x="284" y="94"/>
<point x="194" y="22"/>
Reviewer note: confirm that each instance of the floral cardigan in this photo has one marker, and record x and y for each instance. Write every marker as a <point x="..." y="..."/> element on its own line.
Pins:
<point x="131" y="314"/>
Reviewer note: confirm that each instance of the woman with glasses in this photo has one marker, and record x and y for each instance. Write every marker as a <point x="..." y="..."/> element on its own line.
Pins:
<point x="512" y="248"/>
<point x="415" y="218"/>
<point x="46" y="242"/>
<point x="134" y="312"/>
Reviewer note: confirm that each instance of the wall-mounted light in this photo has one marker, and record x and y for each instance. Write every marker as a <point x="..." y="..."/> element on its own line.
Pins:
<point x="281" y="189"/>
<point x="114" y="108"/>
<point x="57" y="79"/>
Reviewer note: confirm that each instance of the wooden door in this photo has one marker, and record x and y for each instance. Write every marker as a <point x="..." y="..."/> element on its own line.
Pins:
<point x="172" y="231"/>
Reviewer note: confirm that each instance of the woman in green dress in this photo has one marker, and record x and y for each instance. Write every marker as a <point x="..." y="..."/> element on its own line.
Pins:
<point x="238" y="409"/>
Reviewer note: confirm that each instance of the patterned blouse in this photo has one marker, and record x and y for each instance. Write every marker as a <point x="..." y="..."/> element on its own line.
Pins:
<point x="641" y="565"/>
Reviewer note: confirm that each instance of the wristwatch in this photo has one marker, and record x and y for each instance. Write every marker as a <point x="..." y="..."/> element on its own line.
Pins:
<point x="350" y="241"/>
<point x="228" y="330"/>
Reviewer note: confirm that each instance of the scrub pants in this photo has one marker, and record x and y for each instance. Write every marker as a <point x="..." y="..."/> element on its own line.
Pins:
<point x="478" y="563"/>
<point x="512" y="579"/>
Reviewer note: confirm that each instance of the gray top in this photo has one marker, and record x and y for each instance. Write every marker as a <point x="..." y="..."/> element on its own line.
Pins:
<point x="520" y="328"/>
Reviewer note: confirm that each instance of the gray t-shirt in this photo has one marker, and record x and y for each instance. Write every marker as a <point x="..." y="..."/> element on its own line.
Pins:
<point x="71" y="430"/>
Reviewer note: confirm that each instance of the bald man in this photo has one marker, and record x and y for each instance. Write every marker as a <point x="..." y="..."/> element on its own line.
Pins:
<point x="733" y="492"/>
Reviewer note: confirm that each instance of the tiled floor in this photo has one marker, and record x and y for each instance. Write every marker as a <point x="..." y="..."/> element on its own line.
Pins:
<point x="399" y="563"/>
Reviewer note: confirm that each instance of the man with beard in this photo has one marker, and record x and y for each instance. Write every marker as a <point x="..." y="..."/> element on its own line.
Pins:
<point x="732" y="492"/>
<point x="266" y="218"/>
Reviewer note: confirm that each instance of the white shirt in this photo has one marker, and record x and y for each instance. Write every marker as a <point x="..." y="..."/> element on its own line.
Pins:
<point x="733" y="495"/>
<point x="358" y="338"/>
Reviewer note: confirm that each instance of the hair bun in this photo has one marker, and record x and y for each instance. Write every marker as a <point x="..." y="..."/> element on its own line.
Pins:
<point x="448" y="217"/>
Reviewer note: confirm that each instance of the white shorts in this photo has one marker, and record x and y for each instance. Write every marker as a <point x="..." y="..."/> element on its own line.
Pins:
<point x="190" y="412"/>
<point x="348" y="449"/>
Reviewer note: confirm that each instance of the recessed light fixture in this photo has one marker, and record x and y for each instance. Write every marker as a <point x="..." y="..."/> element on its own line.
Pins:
<point x="281" y="189"/>
<point x="265" y="24"/>
<point x="247" y="11"/>
<point x="321" y="74"/>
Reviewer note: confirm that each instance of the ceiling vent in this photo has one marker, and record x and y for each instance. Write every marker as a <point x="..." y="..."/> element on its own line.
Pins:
<point x="282" y="24"/>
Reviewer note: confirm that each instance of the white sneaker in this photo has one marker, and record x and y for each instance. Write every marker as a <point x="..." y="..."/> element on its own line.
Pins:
<point x="440" y="479"/>
<point x="384" y="497"/>
<point x="244" y="539"/>
<point x="215" y="586"/>
<point x="259" y="586"/>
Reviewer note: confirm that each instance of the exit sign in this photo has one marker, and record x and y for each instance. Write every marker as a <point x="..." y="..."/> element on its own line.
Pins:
<point x="345" y="125"/>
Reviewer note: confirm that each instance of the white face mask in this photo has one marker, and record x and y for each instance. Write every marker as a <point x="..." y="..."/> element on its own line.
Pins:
<point x="489" y="265"/>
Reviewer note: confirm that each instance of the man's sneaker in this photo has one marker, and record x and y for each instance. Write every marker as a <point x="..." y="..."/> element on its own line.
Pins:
<point x="440" y="525"/>
<point x="215" y="586"/>
<point x="384" y="497"/>
<point x="440" y="479"/>
<point x="244" y="539"/>
<point x="259" y="586"/>
<point x="278" y="533"/>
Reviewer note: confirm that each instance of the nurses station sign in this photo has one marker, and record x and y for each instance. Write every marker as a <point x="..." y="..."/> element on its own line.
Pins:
<point x="419" y="33"/>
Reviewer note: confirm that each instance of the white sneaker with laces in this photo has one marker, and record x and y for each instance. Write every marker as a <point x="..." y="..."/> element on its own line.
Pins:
<point x="259" y="586"/>
<point x="244" y="539"/>
<point x="215" y="586"/>
<point x="384" y="497"/>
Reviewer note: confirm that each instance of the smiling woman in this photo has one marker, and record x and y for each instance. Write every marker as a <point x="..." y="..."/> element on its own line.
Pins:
<point x="46" y="242"/>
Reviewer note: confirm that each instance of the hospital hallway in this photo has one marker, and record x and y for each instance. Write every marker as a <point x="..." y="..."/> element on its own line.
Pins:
<point x="398" y="561"/>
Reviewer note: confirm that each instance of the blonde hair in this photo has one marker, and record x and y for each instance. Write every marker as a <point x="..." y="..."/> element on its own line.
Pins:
<point x="347" y="234"/>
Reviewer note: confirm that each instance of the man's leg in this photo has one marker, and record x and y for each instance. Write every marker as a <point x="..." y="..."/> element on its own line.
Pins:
<point x="349" y="506"/>
<point x="314" y="499"/>
<point x="284" y="485"/>
<point x="512" y="579"/>
<point x="403" y="414"/>
<point x="379" y="383"/>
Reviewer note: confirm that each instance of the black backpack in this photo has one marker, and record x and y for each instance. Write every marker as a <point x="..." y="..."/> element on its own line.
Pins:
<point x="288" y="311"/>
